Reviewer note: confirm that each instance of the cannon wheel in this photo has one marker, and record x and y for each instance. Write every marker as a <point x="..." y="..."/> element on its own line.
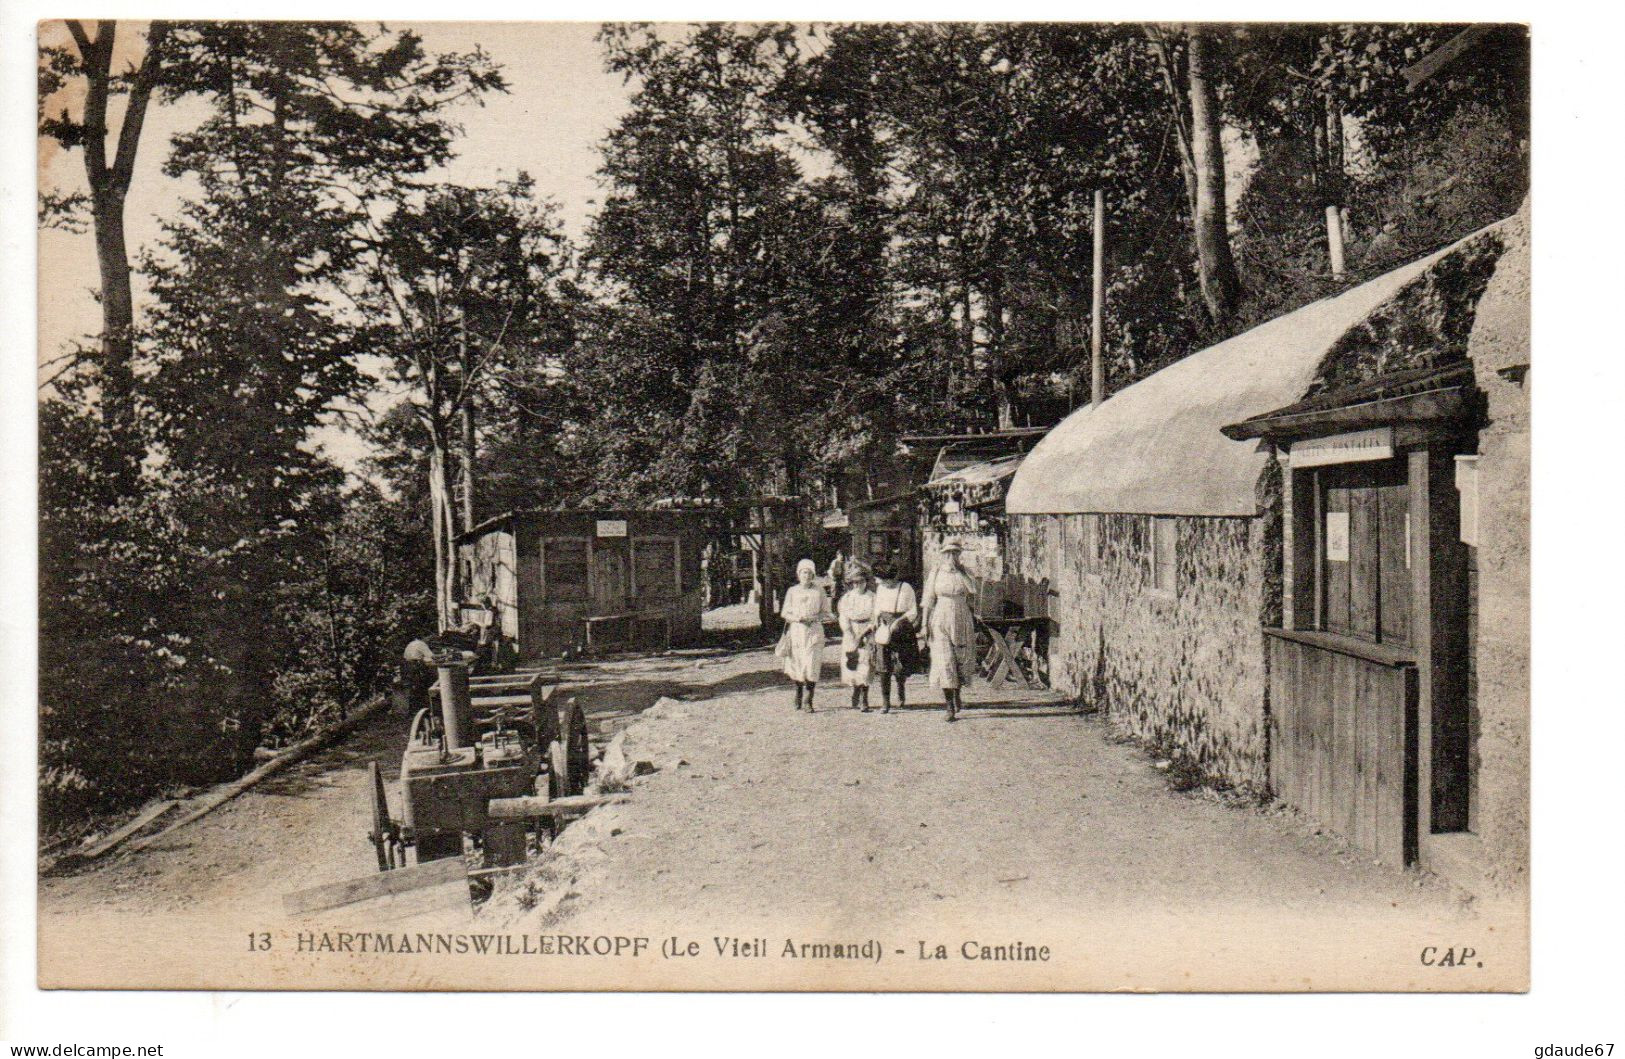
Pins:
<point x="382" y="833"/>
<point x="576" y="763"/>
<point x="578" y="750"/>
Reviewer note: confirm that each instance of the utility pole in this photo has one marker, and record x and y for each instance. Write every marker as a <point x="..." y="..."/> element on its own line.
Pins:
<point x="1097" y="308"/>
<point x="1333" y="122"/>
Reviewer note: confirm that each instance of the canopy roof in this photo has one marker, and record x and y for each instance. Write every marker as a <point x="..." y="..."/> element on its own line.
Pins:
<point x="1156" y="448"/>
<point x="979" y="483"/>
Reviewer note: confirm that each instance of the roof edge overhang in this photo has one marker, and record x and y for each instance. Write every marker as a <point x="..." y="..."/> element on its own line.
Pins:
<point x="507" y="517"/>
<point x="1445" y="395"/>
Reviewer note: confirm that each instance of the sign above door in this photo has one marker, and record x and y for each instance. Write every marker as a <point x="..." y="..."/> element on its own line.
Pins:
<point x="1356" y="447"/>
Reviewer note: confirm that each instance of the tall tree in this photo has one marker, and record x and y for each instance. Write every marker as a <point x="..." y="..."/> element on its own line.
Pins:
<point x="691" y="241"/>
<point x="109" y="170"/>
<point x="246" y="347"/>
<point x="466" y="281"/>
<point x="313" y="127"/>
<point x="1189" y="69"/>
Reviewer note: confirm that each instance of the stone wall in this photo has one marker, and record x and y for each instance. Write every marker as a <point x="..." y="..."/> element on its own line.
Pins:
<point x="1500" y="351"/>
<point x="1184" y="670"/>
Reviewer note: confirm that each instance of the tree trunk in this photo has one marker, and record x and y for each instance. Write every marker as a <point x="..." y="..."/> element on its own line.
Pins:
<point x="1221" y="287"/>
<point x="118" y="340"/>
<point x="466" y="418"/>
<point x="1002" y="375"/>
<point x="442" y="523"/>
<point x="1177" y="103"/>
<point x="1331" y="135"/>
<point x="109" y="185"/>
<point x="1097" y="302"/>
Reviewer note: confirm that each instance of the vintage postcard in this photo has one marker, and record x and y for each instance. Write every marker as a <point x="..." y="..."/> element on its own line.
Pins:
<point x="784" y="506"/>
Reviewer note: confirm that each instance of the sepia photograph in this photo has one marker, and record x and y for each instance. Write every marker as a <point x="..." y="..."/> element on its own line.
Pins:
<point x="931" y="506"/>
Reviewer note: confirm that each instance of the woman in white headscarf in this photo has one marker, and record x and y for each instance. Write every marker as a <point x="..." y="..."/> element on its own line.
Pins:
<point x="950" y="595"/>
<point x="805" y="611"/>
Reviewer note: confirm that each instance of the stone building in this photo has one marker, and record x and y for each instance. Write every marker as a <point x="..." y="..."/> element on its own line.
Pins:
<point x="1178" y="579"/>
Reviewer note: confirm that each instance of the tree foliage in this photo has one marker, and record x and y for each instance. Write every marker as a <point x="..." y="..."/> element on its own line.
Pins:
<point x="207" y="602"/>
<point x="814" y="239"/>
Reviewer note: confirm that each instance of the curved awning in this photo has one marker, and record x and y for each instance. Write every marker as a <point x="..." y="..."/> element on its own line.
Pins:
<point x="1156" y="447"/>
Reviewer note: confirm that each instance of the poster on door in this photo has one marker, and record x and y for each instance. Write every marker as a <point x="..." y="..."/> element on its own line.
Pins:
<point x="1337" y="536"/>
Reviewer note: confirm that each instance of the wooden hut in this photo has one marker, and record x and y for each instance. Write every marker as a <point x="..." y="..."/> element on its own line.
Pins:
<point x="1164" y="543"/>
<point x="590" y="580"/>
<point x="886" y="529"/>
<point x="1398" y="674"/>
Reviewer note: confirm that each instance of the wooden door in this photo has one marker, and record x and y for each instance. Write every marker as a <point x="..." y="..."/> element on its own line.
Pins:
<point x="1365" y="548"/>
<point x="655" y="569"/>
<point x="564" y="570"/>
<point x="609" y="581"/>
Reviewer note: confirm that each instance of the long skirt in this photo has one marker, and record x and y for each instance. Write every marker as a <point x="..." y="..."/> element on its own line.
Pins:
<point x="806" y="658"/>
<point x="902" y="655"/>
<point x="857" y="662"/>
<point x="953" y="644"/>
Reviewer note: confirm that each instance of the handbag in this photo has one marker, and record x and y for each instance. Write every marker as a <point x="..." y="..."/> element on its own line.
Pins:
<point x="782" y="649"/>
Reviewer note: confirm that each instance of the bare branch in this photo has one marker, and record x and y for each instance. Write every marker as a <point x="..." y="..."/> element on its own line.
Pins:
<point x="135" y="112"/>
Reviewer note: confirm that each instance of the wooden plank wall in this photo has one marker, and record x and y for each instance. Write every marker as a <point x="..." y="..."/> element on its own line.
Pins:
<point x="1340" y="744"/>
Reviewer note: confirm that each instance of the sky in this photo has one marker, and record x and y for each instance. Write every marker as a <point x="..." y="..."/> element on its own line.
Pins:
<point x="560" y="105"/>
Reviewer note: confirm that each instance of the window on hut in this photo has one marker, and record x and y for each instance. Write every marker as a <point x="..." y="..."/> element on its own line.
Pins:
<point x="654" y="566"/>
<point x="1164" y="540"/>
<point x="564" y="568"/>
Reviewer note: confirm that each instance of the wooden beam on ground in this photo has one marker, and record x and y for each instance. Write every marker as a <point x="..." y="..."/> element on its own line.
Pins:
<point x="117" y="838"/>
<point x="526" y="807"/>
<point x="298" y="752"/>
<point x="384" y="883"/>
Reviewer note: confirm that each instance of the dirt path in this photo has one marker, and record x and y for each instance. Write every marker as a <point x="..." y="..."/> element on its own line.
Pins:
<point x="1025" y="821"/>
<point x="850" y="819"/>
<point x="307" y="826"/>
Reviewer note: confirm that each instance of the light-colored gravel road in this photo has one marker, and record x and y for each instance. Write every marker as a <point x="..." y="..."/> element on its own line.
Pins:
<point x="1025" y="821"/>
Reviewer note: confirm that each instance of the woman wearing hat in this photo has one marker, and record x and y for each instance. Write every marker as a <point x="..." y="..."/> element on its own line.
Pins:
<point x="857" y="615"/>
<point x="897" y="615"/>
<point x="950" y="629"/>
<point x="805" y="611"/>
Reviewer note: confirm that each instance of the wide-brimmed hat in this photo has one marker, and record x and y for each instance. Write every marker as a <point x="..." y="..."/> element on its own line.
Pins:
<point x="885" y="571"/>
<point x="952" y="546"/>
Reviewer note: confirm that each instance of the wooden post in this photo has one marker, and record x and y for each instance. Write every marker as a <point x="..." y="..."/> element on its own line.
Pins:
<point x="1333" y="124"/>
<point x="454" y="705"/>
<point x="1097" y="308"/>
<point x="1334" y="238"/>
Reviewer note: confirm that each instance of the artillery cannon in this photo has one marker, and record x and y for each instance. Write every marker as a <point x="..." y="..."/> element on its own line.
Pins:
<point x="483" y="763"/>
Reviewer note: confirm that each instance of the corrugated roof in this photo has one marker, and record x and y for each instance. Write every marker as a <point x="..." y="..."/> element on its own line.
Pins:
<point x="978" y="473"/>
<point x="1156" y="447"/>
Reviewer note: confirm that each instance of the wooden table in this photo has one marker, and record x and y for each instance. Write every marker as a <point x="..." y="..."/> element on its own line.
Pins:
<point x="1014" y="652"/>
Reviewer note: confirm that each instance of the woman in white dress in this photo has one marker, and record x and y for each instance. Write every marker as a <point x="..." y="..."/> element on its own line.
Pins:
<point x="857" y="616"/>
<point x="805" y="610"/>
<point x="950" y="595"/>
